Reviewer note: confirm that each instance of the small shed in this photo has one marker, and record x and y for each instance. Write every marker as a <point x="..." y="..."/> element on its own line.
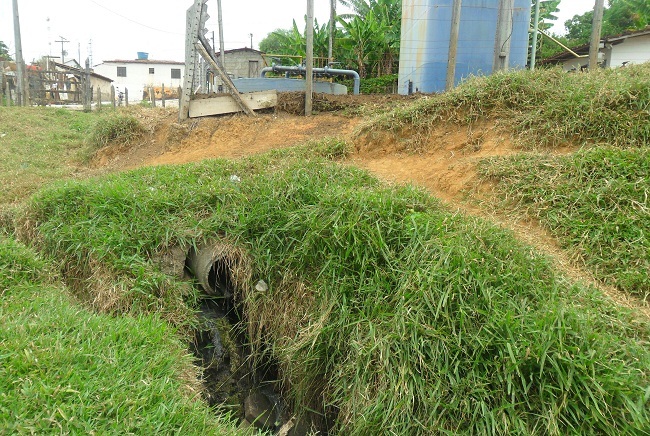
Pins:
<point x="631" y="47"/>
<point x="243" y="62"/>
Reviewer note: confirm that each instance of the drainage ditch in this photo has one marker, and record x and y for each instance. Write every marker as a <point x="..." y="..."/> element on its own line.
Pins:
<point x="234" y="381"/>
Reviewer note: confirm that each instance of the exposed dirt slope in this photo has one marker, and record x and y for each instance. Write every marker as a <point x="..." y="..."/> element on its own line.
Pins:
<point x="447" y="168"/>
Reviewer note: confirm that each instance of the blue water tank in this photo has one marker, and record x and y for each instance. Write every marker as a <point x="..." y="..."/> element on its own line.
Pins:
<point x="143" y="55"/>
<point x="426" y="29"/>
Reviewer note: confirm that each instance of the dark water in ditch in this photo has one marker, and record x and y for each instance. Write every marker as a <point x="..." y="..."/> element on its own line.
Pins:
<point x="234" y="382"/>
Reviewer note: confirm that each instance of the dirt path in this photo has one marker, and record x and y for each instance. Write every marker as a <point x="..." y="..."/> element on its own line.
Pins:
<point x="447" y="168"/>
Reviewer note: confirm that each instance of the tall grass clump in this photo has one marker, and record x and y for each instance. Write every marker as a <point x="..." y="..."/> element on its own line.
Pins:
<point x="595" y="202"/>
<point x="544" y="107"/>
<point x="122" y="128"/>
<point x="66" y="370"/>
<point x="385" y="311"/>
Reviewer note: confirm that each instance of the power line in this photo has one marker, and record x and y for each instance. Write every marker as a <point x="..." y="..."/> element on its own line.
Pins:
<point x="135" y="22"/>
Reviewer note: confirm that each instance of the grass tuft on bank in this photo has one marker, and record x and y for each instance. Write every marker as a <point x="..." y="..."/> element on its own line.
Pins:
<point x="543" y="108"/>
<point x="594" y="201"/>
<point x="385" y="311"/>
<point x="64" y="369"/>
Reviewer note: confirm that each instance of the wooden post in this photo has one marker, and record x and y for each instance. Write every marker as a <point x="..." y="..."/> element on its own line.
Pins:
<point x="504" y="33"/>
<point x="88" y="98"/>
<point x="453" y="44"/>
<point x="8" y="94"/>
<point x="597" y="27"/>
<point x="309" y="85"/>
<point x="533" y="49"/>
<point x="99" y="98"/>
<point x="152" y="95"/>
<point x="113" y="96"/>
<point x="163" y="95"/>
<point x="126" y="97"/>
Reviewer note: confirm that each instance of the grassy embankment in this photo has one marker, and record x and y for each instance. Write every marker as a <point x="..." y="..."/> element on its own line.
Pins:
<point x="63" y="368"/>
<point x="594" y="201"/>
<point x="397" y="315"/>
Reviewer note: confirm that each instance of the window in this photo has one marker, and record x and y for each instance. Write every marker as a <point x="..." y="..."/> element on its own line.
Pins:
<point x="176" y="73"/>
<point x="121" y="71"/>
<point x="151" y="70"/>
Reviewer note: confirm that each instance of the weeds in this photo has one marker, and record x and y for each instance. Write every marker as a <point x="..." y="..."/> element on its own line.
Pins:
<point x="38" y="145"/>
<point x="385" y="310"/>
<point x="66" y="370"/>
<point x="595" y="202"/>
<point x="545" y="108"/>
<point x="122" y="128"/>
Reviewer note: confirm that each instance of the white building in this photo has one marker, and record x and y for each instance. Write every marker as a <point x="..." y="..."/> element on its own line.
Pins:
<point x="141" y="74"/>
<point x="615" y="51"/>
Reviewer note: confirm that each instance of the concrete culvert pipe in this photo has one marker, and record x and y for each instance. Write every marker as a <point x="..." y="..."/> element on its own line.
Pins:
<point x="211" y="265"/>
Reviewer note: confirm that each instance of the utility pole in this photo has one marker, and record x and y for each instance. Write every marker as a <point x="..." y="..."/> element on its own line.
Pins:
<point x="533" y="50"/>
<point x="453" y="44"/>
<point x="330" y="49"/>
<point x="221" y="48"/>
<point x="504" y="33"/>
<point x="62" y="41"/>
<point x="597" y="27"/>
<point x="22" y="90"/>
<point x="309" y="85"/>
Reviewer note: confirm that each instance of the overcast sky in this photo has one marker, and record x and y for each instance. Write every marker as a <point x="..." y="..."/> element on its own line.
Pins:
<point x="119" y="29"/>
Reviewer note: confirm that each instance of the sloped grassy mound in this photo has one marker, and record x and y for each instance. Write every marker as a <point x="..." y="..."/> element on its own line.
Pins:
<point x="384" y="310"/>
<point x="595" y="201"/>
<point x="542" y="107"/>
<point x="66" y="370"/>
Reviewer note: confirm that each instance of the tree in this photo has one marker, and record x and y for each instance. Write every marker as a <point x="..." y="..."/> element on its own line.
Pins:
<point x="293" y="42"/>
<point x="274" y="41"/>
<point x="4" y="52"/>
<point x="547" y="11"/>
<point x="367" y="40"/>
<point x="620" y="16"/>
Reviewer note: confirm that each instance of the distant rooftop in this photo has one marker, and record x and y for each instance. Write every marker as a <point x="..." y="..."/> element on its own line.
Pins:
<point x="143" y="61"/>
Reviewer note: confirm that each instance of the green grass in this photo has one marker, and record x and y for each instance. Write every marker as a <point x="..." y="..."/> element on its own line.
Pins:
<point x="39" y="145"/>
<point x="595" y="202"/>
<point x="541" y="107"/>
<point x="385" y="311"/>
<point x="64" y="369"/>
<point x="119" y="128"/>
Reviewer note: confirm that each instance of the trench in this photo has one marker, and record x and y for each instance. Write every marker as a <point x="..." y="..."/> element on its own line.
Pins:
<point x="246" y="387"/>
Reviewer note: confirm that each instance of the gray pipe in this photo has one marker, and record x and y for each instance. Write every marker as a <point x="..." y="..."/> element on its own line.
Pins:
<point x="204" y="262"/>
<point x="327" y="71"/>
